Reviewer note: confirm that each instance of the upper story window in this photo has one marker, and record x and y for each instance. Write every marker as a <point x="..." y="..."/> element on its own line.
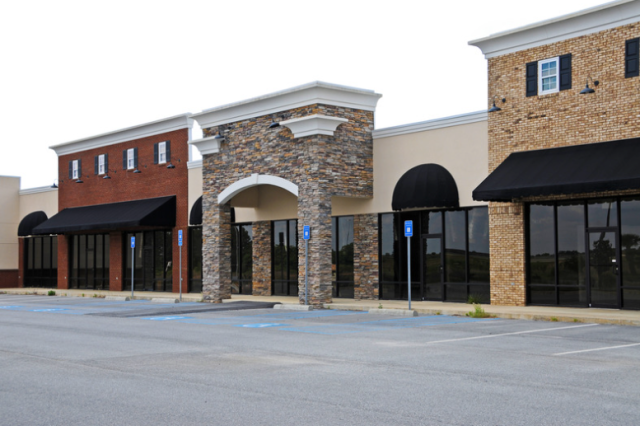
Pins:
<point x="162" y="152"/>
<point x="130" y="159"/>
<point x="548" y="76"/>
<point x="632" y="58"/>
<point x="75" y="169"/>
<point x="101" y="166"/>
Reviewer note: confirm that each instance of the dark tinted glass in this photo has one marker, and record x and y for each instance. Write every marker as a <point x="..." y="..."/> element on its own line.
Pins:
<point x="630" y="298"/>
<point x="345" y="249"/>
<point x="630" y="241"/>
<point x="235" y="248"/>
<point x="37" y="254"/>
<point x="456" y="292"/>
<point x="334" y="252"/>
<point x="293" y="249"/>
<point x="246" y="262"/>
<point x="388" y="244"/>
<point x="431" y="223"/>
<point x="602" y="213"/>
<point x="479" y="245"/>
<point x="571" y="235"/>
<point x="455" y="247"/>
<point x="195" y="259"/>
<point x="542" y="295"/>
<point x="541" y="245"/>
<point x="572" y="295"/>
<point x="280" y="250"/>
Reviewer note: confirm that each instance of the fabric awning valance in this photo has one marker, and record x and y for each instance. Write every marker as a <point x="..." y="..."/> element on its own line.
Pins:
<point x="595" y="167"/>
<point x="151" y="212"/>
<point x="424" y="186"/>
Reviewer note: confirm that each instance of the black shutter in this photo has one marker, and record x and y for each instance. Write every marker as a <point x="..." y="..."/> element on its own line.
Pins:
<point x="532" y="78"/>
<point x="135" y="158"/>
<point x="79" y="169"/>
<point x="95" y="161"/>
<point x="155" y="153"/>
<point x="124" y="159"/>
<point x="70" y="169"/>
<point x="565" y="72"/>
<point x="168" y="151"/>
<point x="106" y="164"/>
<point x="632" y="58"/>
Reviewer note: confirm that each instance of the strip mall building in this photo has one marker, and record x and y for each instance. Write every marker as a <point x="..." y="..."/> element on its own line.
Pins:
<point x="536" y="201"/>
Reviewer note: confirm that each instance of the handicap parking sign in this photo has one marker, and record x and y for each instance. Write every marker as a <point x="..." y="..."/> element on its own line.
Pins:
<point x="408" y="228"/>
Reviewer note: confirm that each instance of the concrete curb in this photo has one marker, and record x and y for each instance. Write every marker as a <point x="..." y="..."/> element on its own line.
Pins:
<point x="291" y="307"/>
<point x="394" y="312"/>
<point x="164" y="300"/>
<point x="118" y="298"/>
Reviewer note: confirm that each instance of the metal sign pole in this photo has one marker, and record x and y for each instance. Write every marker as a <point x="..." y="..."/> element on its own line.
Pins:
<point x="306" y="234"/>
<point x="180" y="266"/>
<point x="133" y="246"/>
<point x="409" y="268"/>
<point x="306" y="272"/>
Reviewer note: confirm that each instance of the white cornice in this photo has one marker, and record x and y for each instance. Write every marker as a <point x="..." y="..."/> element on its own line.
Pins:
<point x="316" y="92"/>
<point x="37" y="190"/>
<point x="209" y="145"/>
<point x="587" y="21"/>
<point x="455" y="120"/>
<point x="169" y="124"/>
<point x="313" y="125"/>
<point x="195" y="164"/>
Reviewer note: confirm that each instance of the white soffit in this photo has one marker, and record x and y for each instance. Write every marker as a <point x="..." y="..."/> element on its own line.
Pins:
<point x="313" y="125"/>
<point x="255" y="180"/>
<point x="587" y="21"/>
<point x="316" y="92"/>
<point x="209" y="145"/>
<point x="455" y="120"/>
<point x="164" y="125"/>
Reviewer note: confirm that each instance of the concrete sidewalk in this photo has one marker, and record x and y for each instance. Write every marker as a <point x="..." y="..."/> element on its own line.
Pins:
<point x="538" y="313"/>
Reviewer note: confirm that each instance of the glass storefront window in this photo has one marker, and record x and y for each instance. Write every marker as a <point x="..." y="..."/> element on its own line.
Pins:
<point x="284" y="257"/>
<point x="242" y="259"/>
<point x="571" y="252"/>
<point x="41" y="252"/>
<point x="153" y="255"/>
<point x="542" y="260"/>
<point x="89" y="261"/>
<point x="342" y="256"/>
<point x="195" y="259"/>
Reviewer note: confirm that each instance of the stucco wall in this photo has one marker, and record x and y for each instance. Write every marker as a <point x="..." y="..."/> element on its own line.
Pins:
<point x="9" y="220"/>
<point x="45" y="200"/>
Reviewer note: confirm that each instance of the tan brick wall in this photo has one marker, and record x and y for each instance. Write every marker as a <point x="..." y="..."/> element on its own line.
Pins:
<point x="554" y="120"/>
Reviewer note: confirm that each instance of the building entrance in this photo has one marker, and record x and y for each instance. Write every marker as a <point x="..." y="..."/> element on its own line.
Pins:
<point x="432" y="269"/>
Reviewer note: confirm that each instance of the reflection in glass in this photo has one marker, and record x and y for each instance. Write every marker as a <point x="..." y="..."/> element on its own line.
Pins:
<point x="432" y="265"/>
<point x="342" y="256"/>
<point x="284" y="260"/>
<point x="603" y="268"/>
<point x="571" y="254"/>
<point x="602" y="213"/>
<point x="389" y="251"/>
<point x="541" y="244"/>
<point x="455" y="248"/>
<point x="630" y="242"/>
<point x="195" y="259"/>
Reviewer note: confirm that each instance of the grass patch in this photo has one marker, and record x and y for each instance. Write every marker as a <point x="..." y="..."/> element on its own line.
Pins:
<point x="51" y="293"/>
<point x="478" y="312"/>
<point x="554" y="319"/>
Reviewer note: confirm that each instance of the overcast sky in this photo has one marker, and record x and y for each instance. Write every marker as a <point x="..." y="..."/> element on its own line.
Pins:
<point x="73" y="69"/>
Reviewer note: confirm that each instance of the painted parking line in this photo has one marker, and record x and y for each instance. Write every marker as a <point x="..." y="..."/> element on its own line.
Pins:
<point x="48" y="310"/>
<point x="261" y="325"/>
<point x="166" y="318"/>
<point x="12" y="308"/>
<point x="606" y="348"/>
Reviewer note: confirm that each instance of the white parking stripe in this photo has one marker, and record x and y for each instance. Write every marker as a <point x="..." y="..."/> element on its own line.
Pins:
<point x="598" y="349"/>
<point x="510" y="334"/>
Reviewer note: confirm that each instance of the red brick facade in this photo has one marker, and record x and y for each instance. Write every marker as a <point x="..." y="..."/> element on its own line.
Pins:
<point x="155" y="180"/>
<point x="9" y="278"/>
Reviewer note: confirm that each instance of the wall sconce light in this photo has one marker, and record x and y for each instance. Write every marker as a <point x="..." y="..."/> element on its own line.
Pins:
<point x="588" y="89"/>
<point x="55" y="185"/>
<point x="495" y="108"/>
<point x="79" y="180"/>
<point x="137" y="170"/>
<point x="171" y="166"/>
<point x="274" y="123"/>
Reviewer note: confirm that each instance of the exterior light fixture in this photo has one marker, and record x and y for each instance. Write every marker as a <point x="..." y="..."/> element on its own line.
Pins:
<point x="54" y="185"/>
<point x="274" y="125"/>
<point x="106" y="177"/>
<point x="170" y="166"/>
<point x="588" y="89"/>
<point x="79" y="181"/>
<point x="137" y="171"/>
<point x="495" y="108"/>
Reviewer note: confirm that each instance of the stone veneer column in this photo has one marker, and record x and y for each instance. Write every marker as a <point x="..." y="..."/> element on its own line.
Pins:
<point x="507" y="240"/>
<point x="261" y="258"/>
<point x="216" y="250"/>
<point x="314" y="210"/>
<point x="365" y="257"/>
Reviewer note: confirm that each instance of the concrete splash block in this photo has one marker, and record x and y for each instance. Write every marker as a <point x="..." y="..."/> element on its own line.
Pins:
<point x="118" y="298"/>
<point x="292" y="307"/>
<point x="394" y="312"/>
<point x="164" y="300"/>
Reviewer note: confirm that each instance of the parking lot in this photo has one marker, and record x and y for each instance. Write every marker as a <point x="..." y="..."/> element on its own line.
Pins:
<point x="92" y="361"/>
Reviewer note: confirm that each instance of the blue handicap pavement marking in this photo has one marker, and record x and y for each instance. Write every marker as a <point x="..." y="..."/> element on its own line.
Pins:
<point x="13" y="308"/>
<point x="263" y="325"/>
<point x="48" y="310"/>
<point x="167" y="318"/>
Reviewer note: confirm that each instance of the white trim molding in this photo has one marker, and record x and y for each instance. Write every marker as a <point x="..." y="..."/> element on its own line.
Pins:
<point x="37" y="190"/>
<point x="209" y="145"/>
<point x="177" y="122"/>
<point x="255" y="180"/>
<point x="313" y="93"/>
<point x="194" y="164"/>
<point x="313" y="125"/>
<point x="587" y="21"/>
<point x="438" y="123"/>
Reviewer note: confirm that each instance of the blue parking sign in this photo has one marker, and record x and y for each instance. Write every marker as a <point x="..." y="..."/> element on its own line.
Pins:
<point x="306" y="232"/>
<point x="133" y="242"/>
<point x="180" y="237"/>
<point x="408" y="228"/>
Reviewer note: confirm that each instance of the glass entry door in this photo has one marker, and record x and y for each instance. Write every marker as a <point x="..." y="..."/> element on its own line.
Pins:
<point x="432" y="270"/>
<point x="604" y="269"/>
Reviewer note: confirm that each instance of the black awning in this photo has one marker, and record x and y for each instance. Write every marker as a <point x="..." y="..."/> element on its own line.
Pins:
<point x="595" y="167"/>
<point x="29" y="222"/>
<point x="195" y="217"/>
<point x="427" y="185"/>
<point x="154" y="212"/>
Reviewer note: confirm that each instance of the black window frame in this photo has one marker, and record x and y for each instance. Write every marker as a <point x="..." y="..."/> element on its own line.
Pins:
<point x="291" y="282"/>
<point x="341" y="288"/>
